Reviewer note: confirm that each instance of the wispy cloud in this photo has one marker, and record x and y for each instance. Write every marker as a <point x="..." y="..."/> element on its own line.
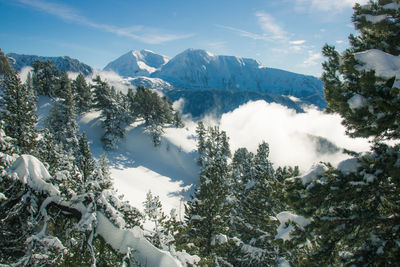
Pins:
<point x="326" y="5"/>
<point x="312" y="59"/>
<point x="271" y="31"/>
<point x="270" y="27"/>
<point x="138" y="32"/>
<point x="297" y="42"/>
<point x="247" y="34"/>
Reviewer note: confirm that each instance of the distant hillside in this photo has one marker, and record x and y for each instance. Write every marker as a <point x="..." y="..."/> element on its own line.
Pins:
<point x="64" y="63"/>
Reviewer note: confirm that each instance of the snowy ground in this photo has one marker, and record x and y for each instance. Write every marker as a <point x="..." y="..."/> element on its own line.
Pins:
<point x="137" y="166"/>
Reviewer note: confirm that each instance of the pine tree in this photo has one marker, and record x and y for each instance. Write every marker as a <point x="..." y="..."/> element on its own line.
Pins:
<point x="84" y="159"/>
<point x="354" y="208"/>
<point x="113" y="125"/>
<point x="5" y="67"/>
<point x="208" y="213"/>
<point x="346" y="83"/>
<point x="102" y="93"/>
<point x="19" y="113"/>
<point x="254" y="182"/>
<point x="83" y="95"/>
<point x="45" y="78"/>
<point x="61" y="121"/>
<point x="201" y="142"/>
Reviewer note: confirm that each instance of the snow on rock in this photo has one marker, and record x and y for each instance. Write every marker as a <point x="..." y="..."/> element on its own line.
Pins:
<point x="284" y="228"/>
<point x="29" y="170"/>
<point x="374" y="19"/>
<point x="313" y="173"/>
<point x="385" y="65"/>
<point x="133" y="240"/>
<point x="391" y="6"/>
<point x="219" y="239"/>
<point x="356" y="102"/>
<point x="348" y="166"/>
<point x="2" y="197"/>
<point x="282" y="262"/>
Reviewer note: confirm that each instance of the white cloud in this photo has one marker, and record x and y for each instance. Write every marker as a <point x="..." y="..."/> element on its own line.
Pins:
<point x="247" y="34"/>
<point x="287" y="133"/>
<point x="297" y="42"/>
<point x="339" y="41"/>
<point x="326" y="5"/>
<point x="138" y="32"/>
<point x="270" y="27"/>
<point x="113" y="79"/>
<point x="23" y="74"/>
<point x="312" y="59"/>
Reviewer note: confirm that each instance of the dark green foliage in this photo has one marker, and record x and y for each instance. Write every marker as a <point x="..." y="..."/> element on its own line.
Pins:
<point x="355" y="214"/>
<point x="45" y="78"/>
<point x="208" y="213"/>
<point x="61" y="121"/>
<point x="84" y="158"/>
<point x="4" y="65"/>
<point x="201" y="143"/>
<point x="255" y="183"/>
<point x="355" y="208"/>
<point x="102" y="93"/>
<point x="83" y="95"/>
<point x="18" y="110"/>
<point x="113" y="124"/>
<point x="343" y="79"/>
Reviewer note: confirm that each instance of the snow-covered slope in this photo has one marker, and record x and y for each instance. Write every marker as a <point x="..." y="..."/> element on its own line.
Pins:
<point x="64" y="63"/>
<point x="138" y="166"/>
<point x="137" y="63"/>
<point x="151" y="83"/>
<point x="199" y="69"/>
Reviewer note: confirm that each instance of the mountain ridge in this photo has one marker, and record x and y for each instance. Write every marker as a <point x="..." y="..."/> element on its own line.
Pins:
<point x="196" y="69"/>
<point x="64" y="63"/>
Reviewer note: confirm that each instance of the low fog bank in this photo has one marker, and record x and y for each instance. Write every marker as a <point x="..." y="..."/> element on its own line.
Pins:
<point x="294" y="138"/>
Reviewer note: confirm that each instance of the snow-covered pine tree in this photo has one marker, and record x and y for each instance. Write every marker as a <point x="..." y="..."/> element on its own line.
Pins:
<point x="154" y="213"/>
<point x="7" y="151"/>
<point x="208" y="213"/>
<point x="365" y="92"/>
<point x="113" y="124"/>
<point x="201" y="142"/>
<point x="83" y="94"/>
<point x="355" y="208"/>
<point x="257" y="208"/>
<point x="61" y="120"/>
<point x="84" y="159"/>
<point x="45" y="78"/>
<point x="102" y="93"/>
<point x="18" y="110"/>
<point x="4" y="65"/>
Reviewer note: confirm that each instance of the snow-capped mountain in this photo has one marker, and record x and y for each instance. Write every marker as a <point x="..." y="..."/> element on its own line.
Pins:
<point x="199" y="69"/>
<point x="137" y="63"/>
<point x="64" y="63"/>
<point x="196" y="69"/>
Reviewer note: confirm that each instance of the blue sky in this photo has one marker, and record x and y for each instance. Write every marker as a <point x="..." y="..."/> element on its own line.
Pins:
<point x="285" y="34"/>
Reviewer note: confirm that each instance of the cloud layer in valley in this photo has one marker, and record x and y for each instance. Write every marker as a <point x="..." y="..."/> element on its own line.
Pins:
<point x="289" y="134"/>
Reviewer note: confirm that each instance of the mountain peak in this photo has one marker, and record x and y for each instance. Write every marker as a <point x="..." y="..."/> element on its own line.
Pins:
<point x="137" y="63"/>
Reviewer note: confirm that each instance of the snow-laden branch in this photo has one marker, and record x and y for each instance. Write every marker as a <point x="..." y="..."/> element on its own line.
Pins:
<point x="30" y="171"/>
<point x="133" y="240"/>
